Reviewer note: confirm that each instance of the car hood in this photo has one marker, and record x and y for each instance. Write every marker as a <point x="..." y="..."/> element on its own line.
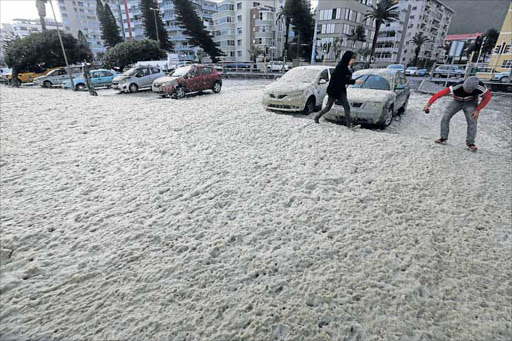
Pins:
<point x="121" y="78"/>
<point x="286" y="87"/>
<point x="165" y="79"/>
<point x="369" y="95"/>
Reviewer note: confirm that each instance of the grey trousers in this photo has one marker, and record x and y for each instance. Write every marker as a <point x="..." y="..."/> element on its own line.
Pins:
<point x="330" y="103"/>
<point x="453" y="108"/>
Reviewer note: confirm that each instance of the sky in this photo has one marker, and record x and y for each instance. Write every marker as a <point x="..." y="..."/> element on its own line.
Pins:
<point x="23" y="9"/>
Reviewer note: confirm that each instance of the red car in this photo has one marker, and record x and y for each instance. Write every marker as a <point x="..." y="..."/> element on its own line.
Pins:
<point x="191" y="78"/>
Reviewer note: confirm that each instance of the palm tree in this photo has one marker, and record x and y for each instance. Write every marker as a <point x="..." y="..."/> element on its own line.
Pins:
<point x="418" y="40"/>
<point x="357" y="35"/>
<point x="336" y="47"/>
<point x="364" y="53"/>
<point x="384" y="12"/>
<point x="287" y="20"/>
<point x="41" y="10"/>
<point x="255" y="51"/>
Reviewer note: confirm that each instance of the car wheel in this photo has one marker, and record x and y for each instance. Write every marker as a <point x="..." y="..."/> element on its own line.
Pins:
<point x="133" y="88"/>
<point x="179" y="92"/>
<point x="217" y="87"/>
<point x="437" y="75"/>
<point x="47" y="84"/>
<point x="388" y="118"/>
<point x="310" y="106"/>
<point x="504" y="79"/>
<point x="80" y="86"/>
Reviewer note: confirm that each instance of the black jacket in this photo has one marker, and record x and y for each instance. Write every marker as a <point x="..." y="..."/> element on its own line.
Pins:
<point x="341" y="77"/>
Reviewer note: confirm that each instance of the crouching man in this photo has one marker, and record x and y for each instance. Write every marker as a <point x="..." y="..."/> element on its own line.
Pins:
<point x="466" y="95"/>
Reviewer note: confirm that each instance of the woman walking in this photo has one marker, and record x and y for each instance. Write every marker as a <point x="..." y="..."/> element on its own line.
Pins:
<point x="340" y="78"/>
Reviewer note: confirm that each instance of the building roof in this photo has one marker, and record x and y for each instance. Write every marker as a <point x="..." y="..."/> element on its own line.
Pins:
<point x="462" y="36"/>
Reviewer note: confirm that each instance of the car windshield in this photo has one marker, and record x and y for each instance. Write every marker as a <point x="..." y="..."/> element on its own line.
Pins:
<point x="373" y="82"/>
<point x="130" y="72"/>
<point x="299" y="75"/>
<point x="182" y="71"/>
<point x="412" y="68"/>
<point x="399" y="67"/>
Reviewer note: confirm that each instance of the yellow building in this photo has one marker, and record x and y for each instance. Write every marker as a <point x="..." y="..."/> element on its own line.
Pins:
<point x="501" y="58"/>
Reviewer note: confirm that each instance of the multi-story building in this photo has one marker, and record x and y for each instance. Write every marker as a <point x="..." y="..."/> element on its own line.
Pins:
<point x="241" y="24"/>
<point x="80" y="15"/>
<point x="336" y="20"/>
<point x="395" y="40"/>
<point x="501" y="58"/>
<point x="134" y="27"/>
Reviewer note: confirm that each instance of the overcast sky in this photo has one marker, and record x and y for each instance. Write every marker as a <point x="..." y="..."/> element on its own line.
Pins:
<point x="23" y="9"/>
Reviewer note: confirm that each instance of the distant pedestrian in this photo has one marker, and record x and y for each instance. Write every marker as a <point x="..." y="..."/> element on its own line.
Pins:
<point x="465" y="97"/>
<point x="337" y="89"/>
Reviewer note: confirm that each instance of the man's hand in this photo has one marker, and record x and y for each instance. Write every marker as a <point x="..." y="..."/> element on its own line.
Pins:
<point x="426" y="109"/>
<point x="360" y="82"/>
<point x="476" y="113"/>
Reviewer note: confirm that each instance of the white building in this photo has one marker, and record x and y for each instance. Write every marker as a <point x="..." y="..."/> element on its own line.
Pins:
<point x="337" y="19"/>
<point x="394" y="43"/>
<point x="240" y="24"/>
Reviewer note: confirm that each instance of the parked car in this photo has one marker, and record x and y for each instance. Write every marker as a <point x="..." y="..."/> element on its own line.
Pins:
<point x="303" y="88"/>
<point x="137" y="78"/>
<point x="384" y="94"/>
<point x="422" y="72"/>
<point x="411" y="71"/>
<point x="400" y="67"/>
<point x="57" y="76"/>
<point x="28" y="74"/>
<point x="449" y="71"/>
<point x="503" y="77"/>
<point x="193" y="78"/>
<point x="4" y="72"/>
<point x="277" y="66"/>
<point x="99" y="78"/>
<point x="234" y="66"/>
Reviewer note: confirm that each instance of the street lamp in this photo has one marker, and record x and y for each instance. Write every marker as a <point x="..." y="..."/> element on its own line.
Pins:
<point x="156" y="27"/>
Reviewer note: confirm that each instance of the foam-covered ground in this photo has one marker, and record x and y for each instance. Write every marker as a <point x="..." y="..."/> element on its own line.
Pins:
<point x="130" y="217"/>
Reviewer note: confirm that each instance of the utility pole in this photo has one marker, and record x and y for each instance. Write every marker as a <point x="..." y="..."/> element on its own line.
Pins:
<point x="313" y="50"/>
<point x="121" y="19"/>
<point x="156" y="27"/>
<point x="63" y="50"/>
<point x="404" y="31"/>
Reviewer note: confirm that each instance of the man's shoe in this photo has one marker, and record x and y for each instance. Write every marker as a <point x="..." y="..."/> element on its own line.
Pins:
<point x="317" y="120"/>
<point x="472" y="147"/>
<point x="441" y="141"/>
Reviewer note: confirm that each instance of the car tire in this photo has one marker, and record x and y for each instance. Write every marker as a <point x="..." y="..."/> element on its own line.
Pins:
<point x="80" y="86"/>
<point x="387" y="119"/>
<point x="310" y="106"/>
<point x="133" y="88"/>
<point x="179" y="92"/>
<point x="217" y="86"/>
<point x="504" y="79"/>
<point x="437" y="75"/>
<point x="47" y="84"/>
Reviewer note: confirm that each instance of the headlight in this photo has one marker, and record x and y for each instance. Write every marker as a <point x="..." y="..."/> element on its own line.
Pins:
<point x="295" y="93"/>
<point x="374" y="105"/>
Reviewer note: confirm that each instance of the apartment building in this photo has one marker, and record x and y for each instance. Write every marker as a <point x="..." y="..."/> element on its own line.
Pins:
<point x="134" y="27"/>
<point x="394" y="43"/>
<point x="338" y="18"/>
<point x="240" y="24"/>
<point x="501" y="58"/>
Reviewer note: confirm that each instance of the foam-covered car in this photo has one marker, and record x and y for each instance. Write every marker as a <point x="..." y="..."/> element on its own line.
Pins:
<point x="192" y="78"/>
<point x="383" y="94"/>
<point x="99" y="78"/>
<point x="137" y="78"/>
<point x="302" y="89"/>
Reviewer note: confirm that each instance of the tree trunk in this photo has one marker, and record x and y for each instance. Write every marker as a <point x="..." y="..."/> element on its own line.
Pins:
<point x="14" y="78"/>
<point x="377" y="29"/>
<point x="87" y="77"/>
<point x="286" y="37"/>
<point x="416" y="53"/>
<point x="43" y="24"/>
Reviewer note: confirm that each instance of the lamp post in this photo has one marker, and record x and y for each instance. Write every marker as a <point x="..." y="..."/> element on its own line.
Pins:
<point x="156" y="27"/>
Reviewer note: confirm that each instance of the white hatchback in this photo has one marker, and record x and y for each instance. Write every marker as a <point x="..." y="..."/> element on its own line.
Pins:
<point x="302" y="89"/>
<point x="137" y="78"/>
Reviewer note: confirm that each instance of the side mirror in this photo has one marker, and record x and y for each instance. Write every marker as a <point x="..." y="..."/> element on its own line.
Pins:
<point x="322" y="81"/>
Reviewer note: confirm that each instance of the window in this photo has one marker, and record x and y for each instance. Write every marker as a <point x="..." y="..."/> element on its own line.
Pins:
<point x="95" y="74"/>
<point x="324" y="75"/>
<point x="239" y="30"/>
<point x="155" y="70"/>
<point x="107" y="73"/>
<point x="239" y="42"/>
<point x="207" y="71"/>
<point x="239" y="53"/>
<point x="507" y="64"/>
<point x="239" y="18"/>
<point x="238" y="5"/>
<point x="231" y="43"/>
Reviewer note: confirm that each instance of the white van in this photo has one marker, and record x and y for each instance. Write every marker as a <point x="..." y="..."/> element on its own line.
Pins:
<point x="137" y="78"/>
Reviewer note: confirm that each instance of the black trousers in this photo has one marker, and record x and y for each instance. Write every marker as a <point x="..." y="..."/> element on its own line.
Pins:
<point x="330" y="103"/>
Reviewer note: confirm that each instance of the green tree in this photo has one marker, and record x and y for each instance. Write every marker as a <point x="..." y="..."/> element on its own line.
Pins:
<point x="357" y="35"/>
<point x="83" y="40"/>
<point x="201" y="55"/>
<point x="109" y="28"/>
<point x="132" y="51"/>
<point x="41" y="11"/>
<point x="364" y="53"/>
<point x="43" y="49"/>
<point x="491" y="37"/>
<point x="195" y="30"/>
<point x="384" y="12"/>
<point x="100" y="13"/>
<point x="303" y="24"/>
<point x="255" y="51"/>
<point x="148" y="19"/>
<point x="419" y="39"/>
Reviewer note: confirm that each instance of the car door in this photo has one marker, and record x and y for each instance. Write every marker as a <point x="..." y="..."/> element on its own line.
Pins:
<point x="321" y="86"/>
<point x="192" y="79"/>
<point x="95" y="78"/>
<point x="207" y="77"/>
<point x="143" y="77"/>
<point x="400" y="90"/>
